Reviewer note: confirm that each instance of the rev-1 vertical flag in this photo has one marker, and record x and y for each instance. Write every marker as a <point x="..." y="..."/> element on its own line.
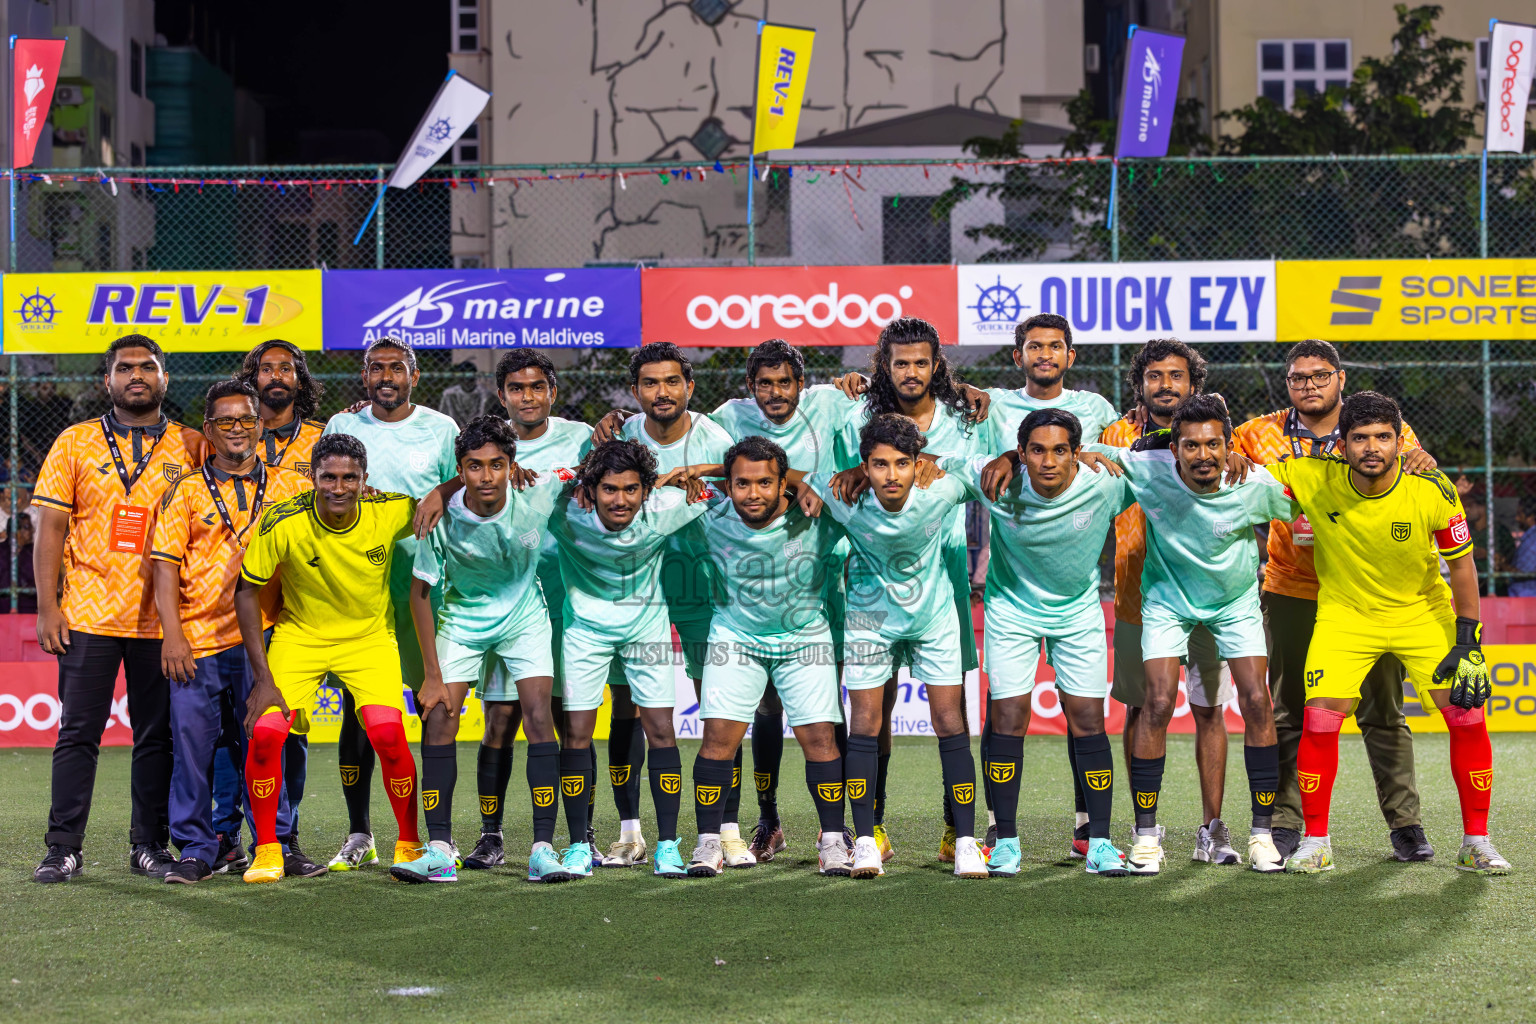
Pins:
<point x="1151" y="89"/>
<point x="783" y="64"/>
<point x="1511" y="55"/>
<point x="34" y="73"/>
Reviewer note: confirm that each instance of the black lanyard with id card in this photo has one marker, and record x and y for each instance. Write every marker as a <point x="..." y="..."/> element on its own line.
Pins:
<point x="130" y="523"/>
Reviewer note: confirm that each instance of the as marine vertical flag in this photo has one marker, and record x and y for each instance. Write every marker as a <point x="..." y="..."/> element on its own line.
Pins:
<point x="783" y="63"/>
<point x="1511" y="56"/>
<point x="1151" y="89"/>
<point x="34" y="73"/>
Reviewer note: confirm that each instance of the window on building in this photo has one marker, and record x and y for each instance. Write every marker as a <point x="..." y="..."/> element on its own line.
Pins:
<point x="1289" y="68"/>
<point x="1483" y="46"/>
<point x="466" y="26"/>
<point x="136" y="67"/>
<point x="467" y="149"/>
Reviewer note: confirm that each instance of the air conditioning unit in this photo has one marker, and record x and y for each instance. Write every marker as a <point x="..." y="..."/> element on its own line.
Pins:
<point x="68" y="95"/>
<point x="1091" y="58"/>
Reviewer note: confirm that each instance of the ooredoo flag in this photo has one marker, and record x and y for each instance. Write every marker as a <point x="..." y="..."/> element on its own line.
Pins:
<point x="1151" y="90"/>
<point x="783" y="63"/>
<point x="36" y="72"/>
<point x="1511" y="54"/>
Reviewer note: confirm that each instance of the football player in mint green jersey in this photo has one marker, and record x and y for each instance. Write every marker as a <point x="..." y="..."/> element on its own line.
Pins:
<point x="909" y="375"/>
<point x="483" y="556"/>
<point x="770" y="626"/>
<point x="1043" y="349"/>
<point x="613" y="552"/>
<point x="1048" y="531"/>
<point x="1201" y="568"/>
<point x="901" y="610"/>
<point x="410" y="451"/>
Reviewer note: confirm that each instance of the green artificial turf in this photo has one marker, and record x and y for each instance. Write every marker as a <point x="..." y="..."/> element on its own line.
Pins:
<point x="1373" y="940"/>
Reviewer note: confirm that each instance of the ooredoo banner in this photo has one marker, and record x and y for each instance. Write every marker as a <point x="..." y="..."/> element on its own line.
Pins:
<point x="803" y="305"/>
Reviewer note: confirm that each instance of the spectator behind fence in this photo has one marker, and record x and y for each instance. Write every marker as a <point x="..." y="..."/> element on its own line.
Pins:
<point x="468" y="398"/>
<point x="1525" y="552"/>
<point x="27" y="603"/>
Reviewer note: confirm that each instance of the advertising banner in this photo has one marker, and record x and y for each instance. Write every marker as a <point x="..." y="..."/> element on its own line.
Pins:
<point x="803" y="305"/>
<point x="783" y="65"/>
<point x="1228" y="300"/>
<point x="1403" y="300"/>
<point x="579" y="308"/>
<point x="185" y="311"/>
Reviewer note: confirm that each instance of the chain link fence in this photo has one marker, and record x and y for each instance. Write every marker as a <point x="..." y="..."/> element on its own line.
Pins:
<point x="1472" y="403"/>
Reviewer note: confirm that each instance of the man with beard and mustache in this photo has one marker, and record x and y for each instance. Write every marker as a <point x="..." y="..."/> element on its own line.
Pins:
<point x="99" y="492"/>
<point x="410" y="451"/>
<point x="1310" y="427"/>
<point x="1201" y="569"/>
<point x="1043" y="349"/>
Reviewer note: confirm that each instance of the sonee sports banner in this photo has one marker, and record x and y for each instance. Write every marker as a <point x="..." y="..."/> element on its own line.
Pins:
<point x="1403" y="300"/>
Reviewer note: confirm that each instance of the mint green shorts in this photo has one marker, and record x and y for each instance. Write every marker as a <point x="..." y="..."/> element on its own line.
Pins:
<point x="869" y="659"/>
<point x="1238" y="629"/>
<point x="592" y="660"/>
<point x="1079" y="654"/>
<point x="495" y="669"/>
<point x="739" y="670"/>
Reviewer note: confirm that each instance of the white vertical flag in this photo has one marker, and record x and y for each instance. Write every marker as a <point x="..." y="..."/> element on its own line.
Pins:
<point x="457" y="104"/>
<point x="1511" y="54"/>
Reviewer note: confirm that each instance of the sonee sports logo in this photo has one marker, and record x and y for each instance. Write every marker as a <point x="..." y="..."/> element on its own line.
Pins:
<point x="963" y="792"/>
<point x="573" y="785"/>
<point x="857" y="788"/>
<point x="762" y="780"/>
<point x="377" y="555"/>
<point x="1482" y="780"/>
<point x="488" y="805"/>
<point x="1400" y="531"/>
<point x="1000" y="771"/>
<point x="1366" y="305"/>
<point x="1146" y="801"/>
<point x="706" y="795"/>
<point x="671" y="783"/>
<point x="832" y="792"/>
<point x="1265" y="799"/>
<point x="1309" y="781"/>
<point x="618" y="775"/>
<point x="1097" y="780"/>
<point x="543" y="796"/>
<point x="401" y="787"/>
<point x="429" y="799"/>
<point x="349" y="775"/>
<point x="263" y="788"/>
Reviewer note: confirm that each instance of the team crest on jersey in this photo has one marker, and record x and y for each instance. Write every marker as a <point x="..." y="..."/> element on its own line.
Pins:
<point x="172" y="471"/>
<point x="429" y="799"/>
<point x="488" y="805"/>
<point x="792" y="549"/>
<point x="1146" y="801"/>
<point x="1000" y="771"/>
<point x="349" y="775"/>
<point x="763" y="781"/>
<point x="932" y="528"/>
<point x="706" y="795"/>
<point x="1483" y="780"/>
<point x="1309" y="781"/>
<point x="543" y="796"/>
<point x="378" y="555"/>
<point x="420" y="461"/>
<point x="1400" y="531"/>
<point x="857" y="788"/>
<point x="263" y="788"/>
<point x="401" y="787"/>
<point x="832" y="792"/>
<point x="618" y="774"/>
<point x="301" y="467"/>
<point x="1080" y="520"/>
<point x="1221" y="527"/>
<point x="1098" y="781"/>
<point x="963" y="792"/>
<point x="573" y="785"/>
<point x="529" y="540"/>
<point x="1265" y="799"/>
<point x="671" y="783"/>
<point x="1154" y="514"/>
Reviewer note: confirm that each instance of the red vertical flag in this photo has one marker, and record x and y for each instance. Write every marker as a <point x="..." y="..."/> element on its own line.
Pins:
<point x="35" y="71"/>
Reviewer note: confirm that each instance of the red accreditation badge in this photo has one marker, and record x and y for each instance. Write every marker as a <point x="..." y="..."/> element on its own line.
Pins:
<point x="1301" y="532"/>
<point x="130" y="526"/>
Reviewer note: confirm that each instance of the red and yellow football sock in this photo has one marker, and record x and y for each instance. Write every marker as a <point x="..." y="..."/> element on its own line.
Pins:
<point x="264" y="773"/>
<point x="1471" y="766"/>
<point x="386" y="732"/>
<point x="1317" y="765"/>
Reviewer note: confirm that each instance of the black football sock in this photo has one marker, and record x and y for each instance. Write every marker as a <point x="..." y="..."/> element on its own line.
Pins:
<point x="840" y="737"/>
<point x="711" y="788"/>
<point x="626" y="756"/>
<point x="733" y="798"/>
<point x="1002" y="767"/>
<point x="859" y="768"/>
<point x="1079" y="801"/>
<point x="591" y="787"/>
<point x="825" y="781"/>
<point x="575" y="784"/>
<point x="493" y="765"/>
<point x="1263" y="765"/>
<point x="986" y="752"/>
<point x="1146" y="783"/>
<point x="1095" y="777"/>
<point x="767" y="756"/>
<point x="959" y="769"/>
<point x="949" y="810"/>
<point x="543" y="784"/>
<point x="439" y="774"/>
<point x="882" y="771"/>
<point x="666" y="766"/>
<point x="354" y="755"/>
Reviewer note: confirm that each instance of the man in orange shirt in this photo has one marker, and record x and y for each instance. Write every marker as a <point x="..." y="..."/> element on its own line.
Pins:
<point x="1315" y="382"/>
<point x="99" y="491"/>
<point x="204" y="524"/>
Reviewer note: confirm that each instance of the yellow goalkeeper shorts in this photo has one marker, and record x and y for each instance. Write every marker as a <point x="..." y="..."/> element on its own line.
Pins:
<point x="368" y="667"/>
<point x="1345" y="647"/>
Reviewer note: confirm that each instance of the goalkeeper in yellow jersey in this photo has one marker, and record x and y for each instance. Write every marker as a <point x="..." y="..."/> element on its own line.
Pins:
<point x="1379" y="534"/>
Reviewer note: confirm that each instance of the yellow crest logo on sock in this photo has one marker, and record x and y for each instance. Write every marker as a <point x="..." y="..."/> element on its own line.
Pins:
<point x="1309" y="781"/>
<point x="543" y="796"/>
<point x="671" y="783"/>
<point x="1482" y="780"/>
<point x="572" y="785"/>
<point x="1098" y="781"/>
<point x="763" y="780"/>
<point x="706" y="795"/>
<point x="429" y="799"/>
<point x="488" y="805"/>
<point x="1265" y="799"/>
<point x="963" y="793"/>
<point x="402" y="787"/>
<point x="1146" y="801"/>
<point x="1000" y="771"/>
<point x="735" y="778"/>
<point x="857" y="788"/>
<point x="831" y="792"/>
<point x="263" y="788"/>
<point x="618" y="774"/>
<point x="349" y="775"/>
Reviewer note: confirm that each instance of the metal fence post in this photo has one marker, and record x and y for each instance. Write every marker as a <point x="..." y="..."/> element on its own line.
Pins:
<point x="12" y="530"/>
<point x="1487" y="398"/>
<point x="1114" y="211"/>
<point x="378" y="228"/>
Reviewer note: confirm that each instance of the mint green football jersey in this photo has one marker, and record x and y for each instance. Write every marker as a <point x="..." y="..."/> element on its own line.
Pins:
<point x="489" y="567"/>
<point x="809" y="438"/>
<point x="562" y="446"/>
<point x="1010" y="407"/>
<point x="898" y="580"/>
<point x="613" y="579"/>
<point x="1044" y="567"/>
<point x="948" y="434"/>
<point x="1202" y="554"/>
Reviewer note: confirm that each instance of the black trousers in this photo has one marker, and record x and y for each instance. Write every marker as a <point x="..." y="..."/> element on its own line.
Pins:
<point x="87" y="674"/>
